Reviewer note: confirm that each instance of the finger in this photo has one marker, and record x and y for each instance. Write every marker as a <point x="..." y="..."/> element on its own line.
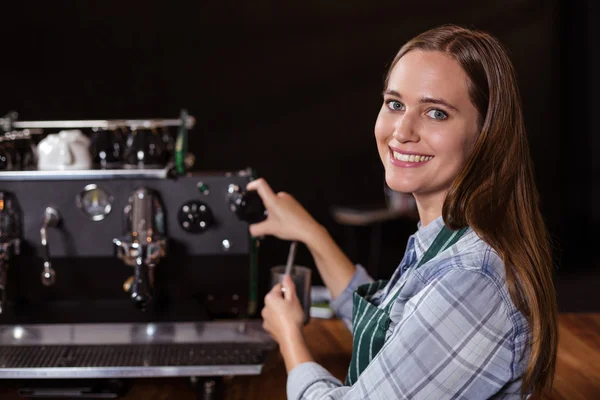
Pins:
<point x="268" y="298"/>
<point x="260" y="229"/>
<point x="276" y="288"/>
<point x="264" y="190"/>
<point x="290" y="288"/>
<point x="274" y="294"/>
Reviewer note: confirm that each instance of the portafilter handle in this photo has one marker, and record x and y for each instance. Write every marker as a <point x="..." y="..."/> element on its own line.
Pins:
<point x="140" y="287"/>
<point x="143" y="257"/>
<point x="143" y="246"/>
<point x="51" y="219"/>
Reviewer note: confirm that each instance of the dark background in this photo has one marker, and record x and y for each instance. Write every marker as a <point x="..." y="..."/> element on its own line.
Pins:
<point x="292" y="89"/>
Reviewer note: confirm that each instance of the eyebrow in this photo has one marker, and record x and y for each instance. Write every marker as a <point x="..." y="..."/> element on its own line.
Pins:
<point x="423" y="100"/>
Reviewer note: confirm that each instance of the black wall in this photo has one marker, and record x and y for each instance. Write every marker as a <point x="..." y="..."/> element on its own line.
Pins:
<point x="293" y="90"/>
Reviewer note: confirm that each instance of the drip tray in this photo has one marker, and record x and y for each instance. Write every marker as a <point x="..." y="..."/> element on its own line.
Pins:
<point x="243" y="356"/>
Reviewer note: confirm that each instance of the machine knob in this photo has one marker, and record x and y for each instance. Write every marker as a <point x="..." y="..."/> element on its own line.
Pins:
<point x="248" y="206"/>
<point x="195" y="217"/>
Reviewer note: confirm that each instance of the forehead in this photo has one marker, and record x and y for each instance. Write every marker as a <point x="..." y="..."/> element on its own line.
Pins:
<point x="429" y="74"/>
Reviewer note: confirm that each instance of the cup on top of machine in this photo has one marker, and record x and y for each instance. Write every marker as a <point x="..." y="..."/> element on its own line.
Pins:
<point x="66" y="150"/>
<point x="145" y="148"/>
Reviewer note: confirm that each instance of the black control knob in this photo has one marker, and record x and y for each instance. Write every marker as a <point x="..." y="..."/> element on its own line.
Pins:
<point x="195" y="217"/>
<point x="248" y="206"/>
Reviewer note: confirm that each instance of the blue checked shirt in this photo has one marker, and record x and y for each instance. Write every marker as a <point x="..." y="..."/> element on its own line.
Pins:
<point x="455" y="332"/>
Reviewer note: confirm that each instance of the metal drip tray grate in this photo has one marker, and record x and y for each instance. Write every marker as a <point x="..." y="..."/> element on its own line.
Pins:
<point x="133" y="350"/>
<point x="205" y="359"/>
<point x="155" y="355"/>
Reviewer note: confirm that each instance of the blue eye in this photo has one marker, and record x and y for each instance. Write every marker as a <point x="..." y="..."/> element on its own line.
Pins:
<point x="437" y="114"/>
<point x="394" y="105"/>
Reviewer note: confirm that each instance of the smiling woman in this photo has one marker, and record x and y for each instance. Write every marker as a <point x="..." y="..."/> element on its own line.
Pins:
<point x="470" y="312"/>
<point x="425" y="115"/>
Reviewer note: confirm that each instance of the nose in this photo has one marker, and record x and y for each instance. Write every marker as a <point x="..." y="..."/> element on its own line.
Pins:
<point x="405" y="129"/>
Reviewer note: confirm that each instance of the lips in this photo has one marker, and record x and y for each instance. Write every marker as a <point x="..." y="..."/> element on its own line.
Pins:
<point x="402" y="151"/>
<point x="409" y="156"/>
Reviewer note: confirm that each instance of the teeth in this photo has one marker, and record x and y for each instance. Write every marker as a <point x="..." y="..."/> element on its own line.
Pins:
<point x="411" y="158"/>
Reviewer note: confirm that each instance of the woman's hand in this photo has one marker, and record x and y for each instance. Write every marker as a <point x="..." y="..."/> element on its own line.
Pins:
<point x="283" y="316"/>
<point x="287" y="219"/>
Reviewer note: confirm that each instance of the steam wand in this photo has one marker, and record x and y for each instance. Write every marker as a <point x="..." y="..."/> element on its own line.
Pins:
<point x="51" y="220"/>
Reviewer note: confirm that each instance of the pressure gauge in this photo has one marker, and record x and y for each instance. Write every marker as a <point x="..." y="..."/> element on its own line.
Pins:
<point x="95" y="202"/>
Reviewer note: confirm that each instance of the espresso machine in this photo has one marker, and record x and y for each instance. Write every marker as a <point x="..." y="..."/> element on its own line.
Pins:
<point x="125" y="264"/>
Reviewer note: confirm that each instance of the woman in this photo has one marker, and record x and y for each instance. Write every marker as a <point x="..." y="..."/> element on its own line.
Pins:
<point x="470" y="312"/>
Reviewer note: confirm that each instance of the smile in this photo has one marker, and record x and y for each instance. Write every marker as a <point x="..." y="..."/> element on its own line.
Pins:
<point x="416" y="158"/>
<point x="408" y="157"/>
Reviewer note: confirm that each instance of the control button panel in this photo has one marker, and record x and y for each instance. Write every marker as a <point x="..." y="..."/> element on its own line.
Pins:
<point x="195" y="217"/>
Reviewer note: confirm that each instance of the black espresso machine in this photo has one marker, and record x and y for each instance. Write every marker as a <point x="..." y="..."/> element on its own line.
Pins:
<point x="135" y="267"/>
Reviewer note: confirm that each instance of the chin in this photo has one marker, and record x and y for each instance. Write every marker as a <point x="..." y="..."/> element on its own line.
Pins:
<point x="400" y="185"/>
<point x="401" y="188"/>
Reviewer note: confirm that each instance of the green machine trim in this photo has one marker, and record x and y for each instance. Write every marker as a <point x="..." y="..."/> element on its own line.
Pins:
<point x="253" y="244"/>
<point x="181" y="144"/>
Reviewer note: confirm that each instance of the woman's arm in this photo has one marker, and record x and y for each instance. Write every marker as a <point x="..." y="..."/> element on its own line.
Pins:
<point x="288" y="220"/>
<point x="334" y="266"/>
<point x="294" y="351"/>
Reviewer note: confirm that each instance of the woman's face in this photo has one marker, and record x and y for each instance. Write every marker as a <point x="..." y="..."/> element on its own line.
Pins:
<point x="427" y="123"/>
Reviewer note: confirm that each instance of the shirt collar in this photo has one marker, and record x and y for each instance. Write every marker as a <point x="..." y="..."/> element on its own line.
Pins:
<point x="425" y="235"/>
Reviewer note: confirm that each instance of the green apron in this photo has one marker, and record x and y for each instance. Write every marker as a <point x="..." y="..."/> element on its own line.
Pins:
<point x="370" y="323"/>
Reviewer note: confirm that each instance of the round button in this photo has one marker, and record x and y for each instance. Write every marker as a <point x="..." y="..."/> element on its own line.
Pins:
<point x="195" y="217"/>
<point x="203" y="188"/>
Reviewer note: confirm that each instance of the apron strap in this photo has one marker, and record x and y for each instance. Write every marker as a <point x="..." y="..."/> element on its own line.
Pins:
<point x="442" y="241"/>
<point x="445" y="239"/>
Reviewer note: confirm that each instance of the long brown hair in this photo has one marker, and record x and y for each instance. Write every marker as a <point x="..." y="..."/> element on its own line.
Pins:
<point x="495" y="192"/>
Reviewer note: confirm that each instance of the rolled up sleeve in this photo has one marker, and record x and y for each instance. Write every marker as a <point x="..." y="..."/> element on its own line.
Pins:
<point x="342" y="305"/>
<point x="310" y="375"/>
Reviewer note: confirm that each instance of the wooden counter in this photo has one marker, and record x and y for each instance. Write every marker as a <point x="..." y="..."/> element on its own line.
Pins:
<point x="577" y="374"/>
